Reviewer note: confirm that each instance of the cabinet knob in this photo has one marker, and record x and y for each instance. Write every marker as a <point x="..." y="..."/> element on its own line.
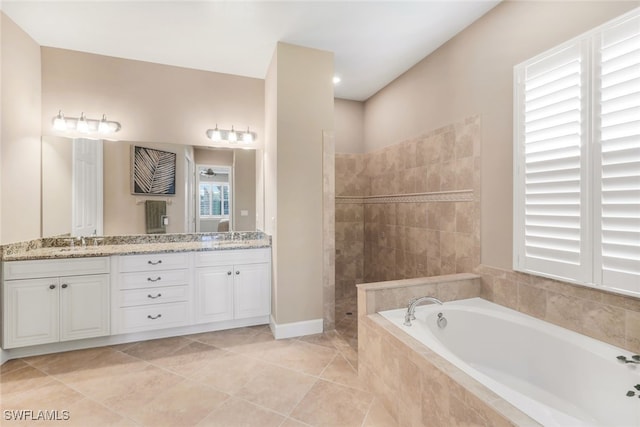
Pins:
<point x="228" y="273"/>
<point x="154" y="280"/>
<point x="154" y="317"/>
<point x="237" y="271"/>
<point x="155" y="262"/>
<point x="65" y="286"/>
<point x="52" y="286"/>
<point x="152" y="297"/>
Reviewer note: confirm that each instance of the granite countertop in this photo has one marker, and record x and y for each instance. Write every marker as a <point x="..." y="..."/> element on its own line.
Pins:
<point x="140" y="246"/>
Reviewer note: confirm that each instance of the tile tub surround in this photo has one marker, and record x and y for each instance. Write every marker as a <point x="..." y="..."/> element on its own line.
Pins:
<point x="126" y="245"/>
<point x="415" y="385"/>
<point x="419" y="388"/>
<point x="605" y="316"/>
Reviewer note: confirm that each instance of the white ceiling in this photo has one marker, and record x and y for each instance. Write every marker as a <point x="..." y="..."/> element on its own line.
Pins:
<point x="374" y="42"/>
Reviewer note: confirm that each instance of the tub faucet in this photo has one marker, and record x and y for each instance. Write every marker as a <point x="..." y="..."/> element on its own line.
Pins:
<point x="634" y="359"/>
<point x="412" y="308"/>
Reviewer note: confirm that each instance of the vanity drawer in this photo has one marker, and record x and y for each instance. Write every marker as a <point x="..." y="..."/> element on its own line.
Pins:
<point x="153" y="262"/>
<point x="159" y="294"/>
<point x="232" y="257"/>
<point x="156" y="316"/>
<point x="55" y="267"/>
<point x="154" y="278"/>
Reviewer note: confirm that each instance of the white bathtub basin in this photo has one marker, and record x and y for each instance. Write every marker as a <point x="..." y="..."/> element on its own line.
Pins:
<point x="556" y="376"/>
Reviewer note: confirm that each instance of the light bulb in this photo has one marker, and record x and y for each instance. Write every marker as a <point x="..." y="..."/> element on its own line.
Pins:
<point x="247" y="138"/>
<point x="103" y="126"/>
<point x="59" y="123"/>
<point x="216" y="136"/>
<point x="233" y="136"/>
<point x="82" y="125"/>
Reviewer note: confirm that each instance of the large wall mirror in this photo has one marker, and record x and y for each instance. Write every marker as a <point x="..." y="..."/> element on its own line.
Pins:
<point x="86" y="189"/>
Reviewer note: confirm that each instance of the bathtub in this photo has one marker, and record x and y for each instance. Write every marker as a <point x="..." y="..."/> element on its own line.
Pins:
<point x="555" y="376"/>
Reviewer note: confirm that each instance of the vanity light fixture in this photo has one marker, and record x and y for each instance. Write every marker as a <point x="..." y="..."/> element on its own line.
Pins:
<point x="84" y="124"/>
<point x="231" y="136"/>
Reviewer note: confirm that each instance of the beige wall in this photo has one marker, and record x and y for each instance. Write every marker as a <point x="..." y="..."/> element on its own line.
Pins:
<point x="156" y="103"/>
<point x="20" y="135"/>
<point x="472" y="75"/>
<point x="124" y="213"/>
<point x="270" y="170"/>
<point x="300" y="86"/>
<point x="349" y="123"/>
<point x="215" y="157"/>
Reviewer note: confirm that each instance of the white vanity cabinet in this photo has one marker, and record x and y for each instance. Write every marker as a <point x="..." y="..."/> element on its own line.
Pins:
<point x="234" y="284"/>
<point x="153" y="292"/>
<point x="121" y="298"/>
<point x="48" y="301"/>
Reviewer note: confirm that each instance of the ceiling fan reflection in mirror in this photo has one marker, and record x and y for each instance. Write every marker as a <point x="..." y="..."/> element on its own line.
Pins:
<point x="207" y="172"/>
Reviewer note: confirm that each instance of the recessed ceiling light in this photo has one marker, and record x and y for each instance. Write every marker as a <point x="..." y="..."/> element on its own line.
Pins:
<point x="336" y="80"/>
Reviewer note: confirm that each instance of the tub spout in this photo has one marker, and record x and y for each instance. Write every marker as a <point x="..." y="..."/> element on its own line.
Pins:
<point x="412" y="308"/>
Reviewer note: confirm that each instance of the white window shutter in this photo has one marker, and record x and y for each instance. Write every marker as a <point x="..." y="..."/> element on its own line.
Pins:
<point x="617" y="157"/>
<point x="552" y="180"/>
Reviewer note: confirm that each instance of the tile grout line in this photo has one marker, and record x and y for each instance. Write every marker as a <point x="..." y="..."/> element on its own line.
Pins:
<point x="366" y="415"/>
<point x="258" y="356"/>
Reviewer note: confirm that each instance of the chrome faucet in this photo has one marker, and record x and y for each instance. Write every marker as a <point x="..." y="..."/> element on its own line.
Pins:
<point x="411" y="308"/>
<point x="635" y="359"/>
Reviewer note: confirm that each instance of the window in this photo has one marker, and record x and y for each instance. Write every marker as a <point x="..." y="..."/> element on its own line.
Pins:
<point x="214" y="200"/>
<point x="577" y="160"/>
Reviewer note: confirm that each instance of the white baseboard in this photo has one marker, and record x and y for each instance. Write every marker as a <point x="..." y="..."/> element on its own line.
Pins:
<point x="36" y="350"/>
<point x="295" y="329"/>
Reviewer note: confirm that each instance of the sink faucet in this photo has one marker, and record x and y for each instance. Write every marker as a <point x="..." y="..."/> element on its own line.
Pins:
<point x="412" y="308"/>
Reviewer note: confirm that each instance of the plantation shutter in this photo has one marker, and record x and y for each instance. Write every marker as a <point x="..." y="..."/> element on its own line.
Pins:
<point x="552" y="121"/>
<point x="617" y="156"/>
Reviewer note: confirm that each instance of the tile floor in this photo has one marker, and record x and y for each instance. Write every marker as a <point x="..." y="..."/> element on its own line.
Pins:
<point x="239" y="377"/>
<point x="347" y="320"/>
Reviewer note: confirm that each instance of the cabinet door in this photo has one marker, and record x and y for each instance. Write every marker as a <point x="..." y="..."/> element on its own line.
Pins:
<point x="252" y="290"/>
<point x="214" y="294"/>
<point x="84" y="307"/>
<point x="31" y="312"/>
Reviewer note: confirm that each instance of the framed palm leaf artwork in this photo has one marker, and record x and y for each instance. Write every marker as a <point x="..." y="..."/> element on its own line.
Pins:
<point x="153" y="172"/>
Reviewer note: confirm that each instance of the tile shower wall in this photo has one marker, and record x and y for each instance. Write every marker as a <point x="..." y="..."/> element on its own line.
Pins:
<point x="351" y="184"/>
<point x="409" y="210"/>
<point x="413" y="209"/>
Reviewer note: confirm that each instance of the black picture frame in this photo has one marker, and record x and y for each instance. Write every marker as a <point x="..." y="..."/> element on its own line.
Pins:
<point x="153" y="172"/>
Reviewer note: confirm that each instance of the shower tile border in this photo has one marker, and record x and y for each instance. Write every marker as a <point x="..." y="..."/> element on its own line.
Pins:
<point x="437" y="196"/>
